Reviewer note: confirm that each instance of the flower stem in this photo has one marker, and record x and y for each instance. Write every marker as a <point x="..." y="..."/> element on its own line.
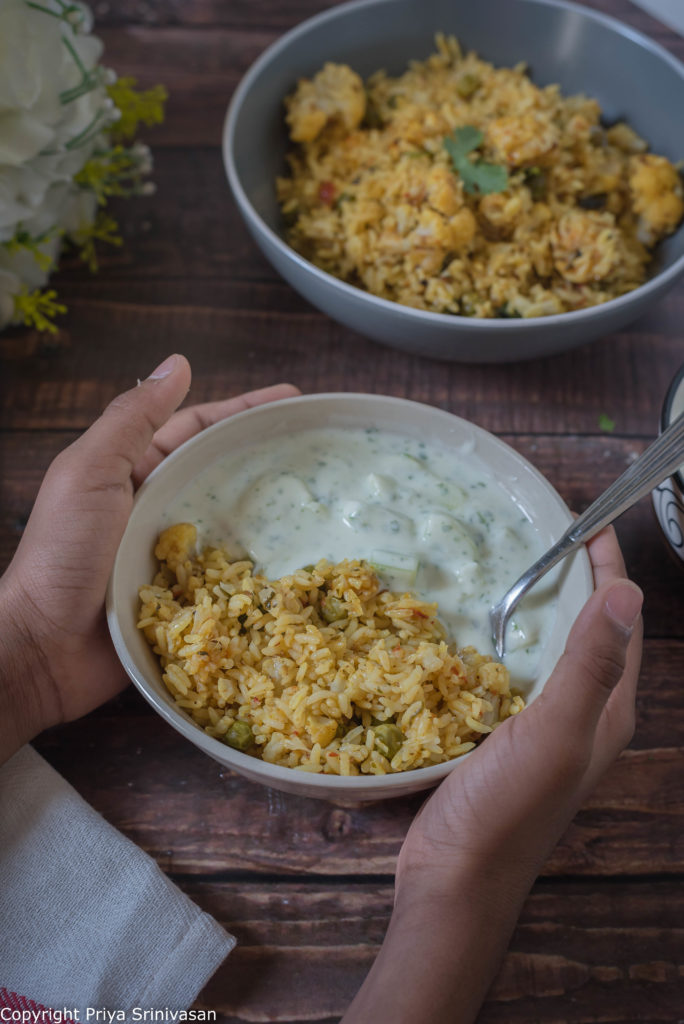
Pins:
<point x="45" y="10"/>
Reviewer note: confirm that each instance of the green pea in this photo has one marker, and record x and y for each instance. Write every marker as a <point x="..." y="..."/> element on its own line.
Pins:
<point x="468" y="303"/>
<point x="239" y="736"/>
<point x="505" y="312"/>
<point x="467" y="85"/>
<point x="389" y="738"/>
<point x="332" y="608"/>
<point x="537" y="181"/>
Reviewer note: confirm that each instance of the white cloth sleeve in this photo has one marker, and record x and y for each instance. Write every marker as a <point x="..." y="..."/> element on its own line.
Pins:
<point x="86" y="918"/>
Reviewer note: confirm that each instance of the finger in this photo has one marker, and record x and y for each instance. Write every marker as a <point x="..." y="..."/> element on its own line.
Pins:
<point x="108" y="451"/>
<point x="594" y="660"/>
<point x="84" y="501"/>
<point x="606" y="557"/>
<point x="188" y="422"/>
<point x="616" y="725"/>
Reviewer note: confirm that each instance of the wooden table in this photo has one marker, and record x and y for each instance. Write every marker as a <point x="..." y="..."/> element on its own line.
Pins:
<point x="305" y="885"/>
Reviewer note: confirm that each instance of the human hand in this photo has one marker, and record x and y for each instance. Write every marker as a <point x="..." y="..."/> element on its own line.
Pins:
<point x="474" y="849"/>
<point x="56" y="658"/>
<point x="511" y="800"/>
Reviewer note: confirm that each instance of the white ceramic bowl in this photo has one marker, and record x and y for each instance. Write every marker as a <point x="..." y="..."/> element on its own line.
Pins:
<point x="668" y="498"/>
<point x="135" y="562"/>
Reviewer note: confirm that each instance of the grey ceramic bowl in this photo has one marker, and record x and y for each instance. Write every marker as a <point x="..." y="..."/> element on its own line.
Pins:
<point x="668" y="498"/>
<point x="631" y="76"/>
<point x="135" y="563"/>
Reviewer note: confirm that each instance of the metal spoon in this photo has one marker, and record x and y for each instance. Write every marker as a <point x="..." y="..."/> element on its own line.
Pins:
<point x="659" y="460"/>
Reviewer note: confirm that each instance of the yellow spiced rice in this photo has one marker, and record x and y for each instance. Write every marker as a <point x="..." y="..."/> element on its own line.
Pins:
<point x="375" y="198"/>
<point x="323" y="670"/>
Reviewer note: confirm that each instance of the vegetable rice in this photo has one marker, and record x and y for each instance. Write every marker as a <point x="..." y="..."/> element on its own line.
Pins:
<point x="465" y="189"/>
<point x="323" y="670"/>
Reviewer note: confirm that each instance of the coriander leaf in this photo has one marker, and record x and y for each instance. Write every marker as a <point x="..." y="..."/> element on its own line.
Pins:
<point x="478" y="177"/>
<point x="605" y="423"/>
<point x="464" y="141"/>
<point x="483" y="178"/>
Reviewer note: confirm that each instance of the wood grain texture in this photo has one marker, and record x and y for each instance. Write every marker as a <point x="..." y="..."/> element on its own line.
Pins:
<point x="277" y="17"/>
<point x="258" y="333"/>
<point x="195" y="817"/>
<point x="580" y="952"/>
<point x="201" y="51"/>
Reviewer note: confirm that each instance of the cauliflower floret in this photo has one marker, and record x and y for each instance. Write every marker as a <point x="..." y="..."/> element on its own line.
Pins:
<point x="176" y="544"/>
<point x="502" y="211"/>
<point x="586" y="246"/>
<point x="656" y="189"/>
<point x="519" y="139"/>
<point x="336" y="93"/>
<point x="444" y="192"/>
<point x="625" y="138"/>
<point x="321" y="729"/>
<point x="463" y="228"/>
<point x="494" y="677"/>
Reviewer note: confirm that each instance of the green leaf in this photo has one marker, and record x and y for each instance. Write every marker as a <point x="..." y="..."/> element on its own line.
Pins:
<point x="478" y="177"/>
<point x="484" y="178"/>
<point x="605" y="423"/>
<point x="464" y="141"/>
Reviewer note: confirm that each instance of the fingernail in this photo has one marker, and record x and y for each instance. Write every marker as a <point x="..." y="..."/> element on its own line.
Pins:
<point x="623" y="604"/>
<point x="164" y="369"/>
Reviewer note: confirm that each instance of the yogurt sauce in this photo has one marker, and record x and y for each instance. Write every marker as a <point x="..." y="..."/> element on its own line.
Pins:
<point x="432" y="520"/>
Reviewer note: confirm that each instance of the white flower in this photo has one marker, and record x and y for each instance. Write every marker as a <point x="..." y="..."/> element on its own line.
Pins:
<point x="53" y="110"/>
<point x="61" y="156"/>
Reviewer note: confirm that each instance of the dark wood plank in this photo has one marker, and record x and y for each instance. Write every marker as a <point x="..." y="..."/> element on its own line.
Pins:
<point x="199" y="68"/>
<point x="580" y="953"/>
<point x="208" y="13"/>
<point x="243" y="335"/>
<point x="277" y="18"/>
<point x="195" y="817"/>
<point x="200" y="51"/>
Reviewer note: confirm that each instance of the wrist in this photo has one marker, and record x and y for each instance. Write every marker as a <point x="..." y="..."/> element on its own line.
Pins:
<point x="491" y="889"/>
<point x="28" y="698"/>
<point x="443" y="948"/>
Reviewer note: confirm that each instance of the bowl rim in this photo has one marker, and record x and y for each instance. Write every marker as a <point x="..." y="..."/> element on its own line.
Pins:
<point x="254" y="766"/>
<point x="678" y="475"/>
<point x="420" y="316"/>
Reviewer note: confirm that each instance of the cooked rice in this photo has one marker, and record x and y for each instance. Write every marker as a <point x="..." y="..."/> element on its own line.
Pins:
<point x="236" y="647"/>
<point x="374" y="199"/>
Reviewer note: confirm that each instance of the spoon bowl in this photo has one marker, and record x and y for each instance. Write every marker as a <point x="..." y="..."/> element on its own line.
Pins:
<point x="659" y="460"/>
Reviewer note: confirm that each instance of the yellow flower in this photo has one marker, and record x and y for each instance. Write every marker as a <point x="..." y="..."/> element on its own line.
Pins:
<point x="103" y="229"/>
<point x="37" y="309"/>
<point x="137" y="106"/>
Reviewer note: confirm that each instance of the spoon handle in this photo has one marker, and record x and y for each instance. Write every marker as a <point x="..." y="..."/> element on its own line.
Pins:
<point x="660" y="459"/>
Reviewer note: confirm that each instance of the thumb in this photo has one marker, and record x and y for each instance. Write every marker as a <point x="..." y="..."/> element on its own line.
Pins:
<point x="109" y="450"/>
<point x="594" y="659"/>
<point x="84" y="502"/>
